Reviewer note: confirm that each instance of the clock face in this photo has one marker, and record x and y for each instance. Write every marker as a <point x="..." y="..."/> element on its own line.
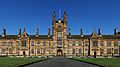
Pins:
<point x="59" y="21"/>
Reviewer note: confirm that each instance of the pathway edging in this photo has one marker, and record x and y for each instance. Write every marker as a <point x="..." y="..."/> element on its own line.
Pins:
<point x="32" y="63"/>
<point x="87" y="62"/>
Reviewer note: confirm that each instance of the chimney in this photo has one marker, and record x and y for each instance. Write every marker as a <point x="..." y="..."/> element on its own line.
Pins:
<point x="81" y="32"/>
<point x="115" y="31"/>
<point x="99" y="32"/>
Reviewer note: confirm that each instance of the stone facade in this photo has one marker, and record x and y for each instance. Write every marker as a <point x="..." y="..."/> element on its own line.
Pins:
<point x="60" y="43"/>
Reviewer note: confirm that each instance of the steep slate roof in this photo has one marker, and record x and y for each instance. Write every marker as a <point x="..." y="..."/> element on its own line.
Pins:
<point x="31" y="36"/>
<point x="110" y="37"/>
<point x="78" y="36"/>
<point x="69" y="37"/>
<point x="40" y="36"/>
<point x="89" y="36"/>
<point x="9" y="36"/>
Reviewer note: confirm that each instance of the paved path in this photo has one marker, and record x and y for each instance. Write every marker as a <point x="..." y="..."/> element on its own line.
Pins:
<point x="60" y="62"/>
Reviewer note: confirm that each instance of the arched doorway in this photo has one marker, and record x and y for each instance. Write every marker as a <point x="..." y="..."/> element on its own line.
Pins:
<point x="23" y="53"/>
<point x="59" y="52"/>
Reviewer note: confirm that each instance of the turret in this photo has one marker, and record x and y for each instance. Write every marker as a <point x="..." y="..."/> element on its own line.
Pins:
<point x="69" y="30"/>
<point x="37" y="32"/>
<point x="54" y="17"/>
<point x="24" y="30"/>
<point x="81" y="32"/>
<point x="65" y="16"/>
<point x="4" y="32"/>
<point x="19" y="32"/>
<point x="99" y="32"/>
<point x="115" y="31"/>
<point x="48" y="32"/>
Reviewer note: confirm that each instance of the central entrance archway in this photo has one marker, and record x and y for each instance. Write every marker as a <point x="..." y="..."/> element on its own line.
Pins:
<point x="24" y="53"/>
<point x="59" y="52"/>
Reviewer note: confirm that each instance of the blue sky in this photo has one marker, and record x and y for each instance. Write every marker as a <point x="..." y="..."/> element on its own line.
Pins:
<point x="86" y="14"/>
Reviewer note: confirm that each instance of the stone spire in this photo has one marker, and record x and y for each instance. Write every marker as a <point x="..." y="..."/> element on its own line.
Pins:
<point x="69" y="30"/>
<point x="64" y="16"/>
<point x="4" y="32"/>
<point x="48" y="32"/>
<point x="54" y="17"/>
<point x="81" y="32"/>
<point x="24" y="30"/>
<point x="99" y="31"/>
<point x="115" y="31"/>
<point x="37" y="32"/>
<point x="19" y="31"/>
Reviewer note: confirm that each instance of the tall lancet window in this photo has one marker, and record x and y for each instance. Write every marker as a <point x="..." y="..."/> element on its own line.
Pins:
<point x="59" y="31"/>
<point x="59" y="35"/>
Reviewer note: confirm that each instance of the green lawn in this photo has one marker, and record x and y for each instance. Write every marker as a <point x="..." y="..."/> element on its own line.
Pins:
<point x="107" y="62"/>
<point x="15" y="62"/>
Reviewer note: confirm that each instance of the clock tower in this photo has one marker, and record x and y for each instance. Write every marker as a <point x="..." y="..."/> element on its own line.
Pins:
<point x="59" y="33"/>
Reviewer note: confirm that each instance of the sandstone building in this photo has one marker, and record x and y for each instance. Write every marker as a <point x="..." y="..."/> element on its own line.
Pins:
<point x="59" y="42"/>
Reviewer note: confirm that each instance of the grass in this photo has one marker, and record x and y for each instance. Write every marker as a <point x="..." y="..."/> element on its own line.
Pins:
<point x="107" y="62"/>
<point x="15" y="62"/>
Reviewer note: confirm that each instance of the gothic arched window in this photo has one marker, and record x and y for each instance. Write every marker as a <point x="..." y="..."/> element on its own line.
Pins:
<point x="3" y="43"/>
<point x="24" y="43"/>
<point x="95" y="43"/>
<point x="59" y="29"/>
